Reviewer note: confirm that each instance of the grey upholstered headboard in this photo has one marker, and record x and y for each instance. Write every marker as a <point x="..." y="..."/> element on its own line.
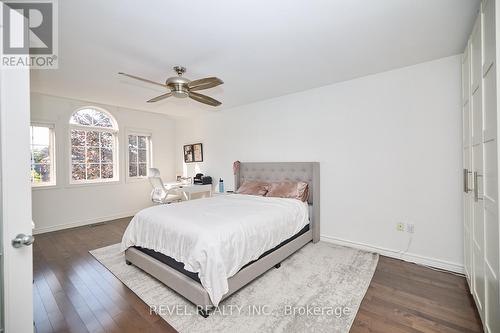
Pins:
<point x="286" y="171"/>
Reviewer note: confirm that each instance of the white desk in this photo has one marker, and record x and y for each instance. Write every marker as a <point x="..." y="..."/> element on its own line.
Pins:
<point x="187" y="190"/>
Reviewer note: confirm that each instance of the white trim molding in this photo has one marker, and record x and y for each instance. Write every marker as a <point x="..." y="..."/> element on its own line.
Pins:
<point x="409" y="257"/>
<point x="42" y="230"/>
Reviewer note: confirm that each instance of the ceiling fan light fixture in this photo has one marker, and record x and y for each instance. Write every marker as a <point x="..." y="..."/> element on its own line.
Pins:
<point x="180" y="93"/>
<point x="181" y="87"/>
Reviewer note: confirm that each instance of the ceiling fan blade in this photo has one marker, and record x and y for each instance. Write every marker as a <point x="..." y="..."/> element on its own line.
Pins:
<point x="142" y="79"/>
<point x="159" y="98"/>
<point x="204" y="99"/>
<point x="208" y="82"/>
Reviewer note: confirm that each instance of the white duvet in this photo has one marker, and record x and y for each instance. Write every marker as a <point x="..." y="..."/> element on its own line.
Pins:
<point x="216" y="236"/>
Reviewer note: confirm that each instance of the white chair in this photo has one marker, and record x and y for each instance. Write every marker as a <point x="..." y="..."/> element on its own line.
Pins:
<point x="160" y="194"/>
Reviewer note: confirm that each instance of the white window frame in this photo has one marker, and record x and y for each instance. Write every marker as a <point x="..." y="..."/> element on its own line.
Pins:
<point x="52" y="155"/>
<point x="149" y="154"/>
<point x="113" y="130"/>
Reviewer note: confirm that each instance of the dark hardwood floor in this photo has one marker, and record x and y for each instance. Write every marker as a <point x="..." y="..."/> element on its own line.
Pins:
<point x="75" y="293"/>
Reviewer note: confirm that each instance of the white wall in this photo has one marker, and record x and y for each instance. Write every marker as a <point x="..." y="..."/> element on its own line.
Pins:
<point x="390" y="151"/>
<point x="71" y="205"/>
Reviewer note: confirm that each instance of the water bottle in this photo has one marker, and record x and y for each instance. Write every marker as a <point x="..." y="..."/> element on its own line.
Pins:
<point x="221" y="185"/>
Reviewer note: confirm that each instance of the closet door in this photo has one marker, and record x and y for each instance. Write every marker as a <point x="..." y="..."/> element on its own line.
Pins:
<point x="468" y="198"/>
<point x="478" y="285"/>
<point x="490" y="178"/>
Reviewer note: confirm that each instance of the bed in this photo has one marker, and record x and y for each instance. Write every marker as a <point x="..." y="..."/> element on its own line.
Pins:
<point x="254" y="233"/>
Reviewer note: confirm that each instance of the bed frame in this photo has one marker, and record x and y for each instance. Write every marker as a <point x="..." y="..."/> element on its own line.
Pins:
<point x="264" y="171"/>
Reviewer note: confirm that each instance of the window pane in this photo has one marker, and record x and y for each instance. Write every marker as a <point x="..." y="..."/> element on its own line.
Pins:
<point x="40" y="154"/>
<point x="78" y="154"/>
<point x="132" y="141"/>
<point x="91" y="117"/>
<point x="77" y="138"/>
<point x="40" y="135"/>
<point x="132" y="156"/>
<point x="106" y="155"/>
<point x="78" y="171"/>
<point x="106" y="139"/>
<point x="40" y="173"/>
<point x="92" y="150"/>
<point x="101" y="119"/>
<point x="82" y="117"/>
<point x="40" y="157"/>
<point x="107" y="171"/>
<point x="132" y="170"/>
<point x="93" y="171"/>
<point x="143" y="156"/>
<point x="33" y="175"/>
<point x="143" y="169"/>
<point x="44" y="170"/>
<point x="143" y="142"/>
<point x="93" y="155"/>
<point x="138" y="155"/>
<point x="93" y="139"/>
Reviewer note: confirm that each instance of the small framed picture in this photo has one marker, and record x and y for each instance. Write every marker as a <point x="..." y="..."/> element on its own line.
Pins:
<point x="197" y="152"/>
<point x="188" y="153"/>
<point x="193" y="153"/>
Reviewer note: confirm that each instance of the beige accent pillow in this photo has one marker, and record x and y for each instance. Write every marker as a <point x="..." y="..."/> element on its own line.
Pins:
<point x="253" y="188"/>
<point x="295" y="190"/>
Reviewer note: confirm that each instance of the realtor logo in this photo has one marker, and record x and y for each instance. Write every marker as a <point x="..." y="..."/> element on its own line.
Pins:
<point x="29" y="34"/>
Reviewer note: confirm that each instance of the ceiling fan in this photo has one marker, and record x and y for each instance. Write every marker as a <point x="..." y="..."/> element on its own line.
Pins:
<point x="181" y="87"/>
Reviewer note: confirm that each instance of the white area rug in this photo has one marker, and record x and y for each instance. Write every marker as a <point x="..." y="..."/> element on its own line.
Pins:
<point x="317" y="289"/>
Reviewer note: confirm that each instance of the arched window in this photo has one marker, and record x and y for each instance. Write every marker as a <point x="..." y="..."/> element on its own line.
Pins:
<point x="94" y="156"/>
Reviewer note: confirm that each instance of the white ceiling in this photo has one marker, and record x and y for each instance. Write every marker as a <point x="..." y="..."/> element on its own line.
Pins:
<point x="260" y="48"/>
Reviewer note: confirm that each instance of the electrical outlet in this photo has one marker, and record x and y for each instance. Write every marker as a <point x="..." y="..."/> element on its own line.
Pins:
<point x="410" y="228"/>
<point x="400" y="226"/>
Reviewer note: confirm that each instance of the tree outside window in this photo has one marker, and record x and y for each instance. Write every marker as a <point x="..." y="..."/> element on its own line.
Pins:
<point x="93" y="146"/>
<point x="139" y="155"/>
<point x="42" y="155"/>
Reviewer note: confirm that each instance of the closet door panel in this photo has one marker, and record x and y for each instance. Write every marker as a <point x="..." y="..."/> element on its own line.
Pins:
<point x="477" y="119"/>
<point x="467" y="164"/>
<point x="476" y="58"/>
<point x="490" y="191"/>
<point x="488" y="34"/>
<point x="476" y="105"/>
<point x="491" y="241"/>
<point x="480" y="153"/>
<point x="466" y="76"/>
<point x="478" y="232"/>
<point x="492" y="321"/>
<point x="490" y="150"/>
<point x="490" y="111"/>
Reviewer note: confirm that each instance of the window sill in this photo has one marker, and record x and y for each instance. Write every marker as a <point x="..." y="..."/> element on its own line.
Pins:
<point x="136" y="179"/>
<point x="99" y="183"/>
<point x="44" y="187"/>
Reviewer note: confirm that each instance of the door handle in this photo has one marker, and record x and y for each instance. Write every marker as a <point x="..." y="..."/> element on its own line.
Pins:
<point x="22" y="240"/>
<point x="476" y="188"/>
<point x="466" y="181"/>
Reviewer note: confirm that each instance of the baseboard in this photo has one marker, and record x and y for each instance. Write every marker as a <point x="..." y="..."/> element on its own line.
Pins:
<point x="414" y="258"/>
<point x="437" y="263"/>
<point x="42" y="230"/>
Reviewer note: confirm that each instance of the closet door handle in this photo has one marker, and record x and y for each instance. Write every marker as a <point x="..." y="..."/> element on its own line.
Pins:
<point x="466" y="181"/>
<point x="476" y="187"/>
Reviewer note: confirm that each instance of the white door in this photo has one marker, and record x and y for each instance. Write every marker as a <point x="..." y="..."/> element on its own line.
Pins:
<point x="15" y="194"/>
<point x="478" y="289"/>
<point x="490" y="167"/>
<point x="468" y="197"/>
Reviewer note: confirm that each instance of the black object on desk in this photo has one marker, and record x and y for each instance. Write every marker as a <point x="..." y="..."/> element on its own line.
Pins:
<point x="199" y="179"/>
